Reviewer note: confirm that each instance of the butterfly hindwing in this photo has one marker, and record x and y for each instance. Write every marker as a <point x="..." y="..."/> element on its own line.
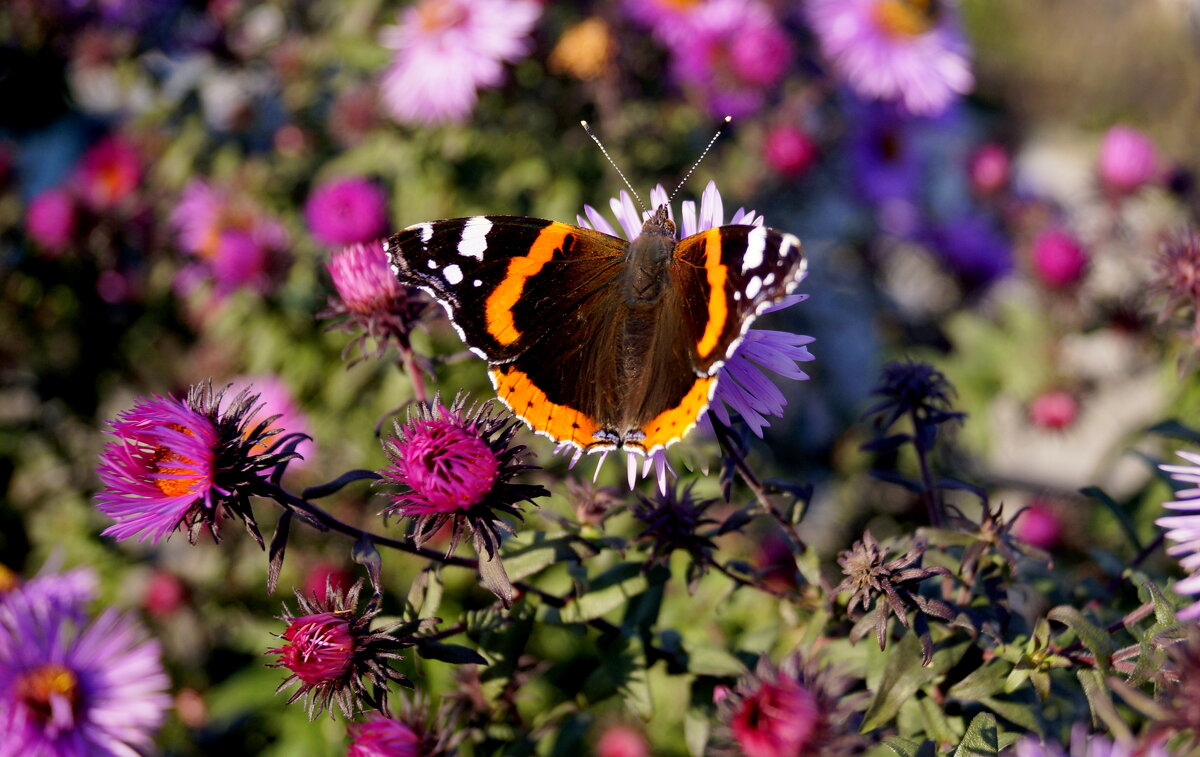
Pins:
<point x="724" y="278"/>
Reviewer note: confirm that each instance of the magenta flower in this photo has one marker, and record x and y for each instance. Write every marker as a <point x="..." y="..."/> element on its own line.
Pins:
<point x="622" y="741"/>
<point x="743" y="386"/>
<point x="790" y="151"/>
<point x="1184" y="529"/>
<point x="76" y="689"/>
<point x="911" y="53"/>
<point x="800" y="709"/>
<point x="333" y="656"/>
<point x="446" y="50"/>
<point x="370" y="300"/>
<point x="109" y="172"/>
<point x="1039" y="525"/>
<point x="733" y="53"/>
<point x="1128" y="160"/>
<point x="1058" y="258"/>
<point x="234" y="242"/>
<point x="380" y="736"/>
<point x="346" y="211"/>
<point x="183" y="463"/>
<point x="989" y="169"/>
<point x="50" y="220"/>
<point x="455" y="465"/>
<point x="1055" y="409"/>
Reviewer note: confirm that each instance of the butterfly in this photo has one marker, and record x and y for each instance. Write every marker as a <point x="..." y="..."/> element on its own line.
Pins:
<point x="593" y="341"/>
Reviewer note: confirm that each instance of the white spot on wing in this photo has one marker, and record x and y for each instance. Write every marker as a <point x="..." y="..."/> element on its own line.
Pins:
<point x="426" y="230"/>
<point x="432" y="263"/>
<point x="769" y="279"/>
<point x="756" y="242"/>
<point x="453" y="274"/>
<point x="474" y="237"/>
<point x="753" y="287"/>
<point x="477" y="283"/>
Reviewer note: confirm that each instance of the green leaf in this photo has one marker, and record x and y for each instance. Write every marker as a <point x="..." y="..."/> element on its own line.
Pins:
<point x="696" y="726"/>
<point x="984" y="681"/>
<point x="608" y="591"/>
<point x="903" y="676"/>
<point x="1096" y="639"/>
<point x="532" y="553"/>
<point x="982" y="737"/>
<point x="425" y="593"/>
<point x="1118" y="512"/>
<point x="454" y="654"/>
<point x="909" y="748"/>
<point x="1101" y="704"/>
<point x="1175" y="430"/>
<point x="1016" y="712"/>
<point x="704" y="660"/>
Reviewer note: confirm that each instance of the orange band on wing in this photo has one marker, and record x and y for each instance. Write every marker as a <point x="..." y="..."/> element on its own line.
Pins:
<point x="530" y="403"/>
<point x="718" y="308"/>
<point x="501" y="301"/>
<point x="669" y="425"/>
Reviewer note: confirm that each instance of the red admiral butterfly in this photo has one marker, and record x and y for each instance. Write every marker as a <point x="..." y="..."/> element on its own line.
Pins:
<point x="591" y="340"/>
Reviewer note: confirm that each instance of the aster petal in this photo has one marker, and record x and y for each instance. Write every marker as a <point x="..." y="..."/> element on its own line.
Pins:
<point x="712" y="212"/>
<point x="627" y="215"/>
<point x="688" y="214"/>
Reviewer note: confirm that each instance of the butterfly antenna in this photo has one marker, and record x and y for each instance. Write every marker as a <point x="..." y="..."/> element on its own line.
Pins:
<point x="587" y="127"/>
<point x="711" y="142"/>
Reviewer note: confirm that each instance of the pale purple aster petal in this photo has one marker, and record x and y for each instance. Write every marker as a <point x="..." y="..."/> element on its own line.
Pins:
<point x="688" y="214"/>
<point x="924" y="71"/>
<point x="598" y="221"/>
<point x="627" y="215"/>
<point x="67" y="593"/>
<point x="1185" y="529"/>
<point x="712" y="211"/>
<point x="113" y="695"/>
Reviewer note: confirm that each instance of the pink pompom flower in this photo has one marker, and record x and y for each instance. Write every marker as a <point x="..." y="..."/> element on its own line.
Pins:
<point x="109" y="172"/>
<point x="1058" y="258"/>
<point x="50" y="220"/>
<point x="346" y="211"/>
<point x="1128" y="160"/>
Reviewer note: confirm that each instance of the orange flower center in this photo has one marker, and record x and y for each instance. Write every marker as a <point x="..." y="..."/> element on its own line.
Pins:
<point x="39" y="687"/>
<point x="187" y="482"/>
<point x="439" y="15"/>
<point x="8" y="580"/>
<point x="906" y="18"/>
<point x="681" y="5"/>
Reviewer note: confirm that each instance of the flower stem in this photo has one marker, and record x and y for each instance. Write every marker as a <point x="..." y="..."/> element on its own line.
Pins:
<point x="414" y="375"/>
<point x="929" y="492"/>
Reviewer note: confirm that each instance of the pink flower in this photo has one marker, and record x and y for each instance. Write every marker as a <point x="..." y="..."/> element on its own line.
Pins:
<point x="381" y="736"/>
<point x="1054" y="410"/>
<point x="1128" y="160"/>
<point x="164" y="594"/>
<point x="1039" y="525"/>
<point x="346" y="211"/>
<point x="1058" y="260"/>
<point x="779" y="719"/>
<point x="790" y="151"/>
<point x="236" y="243"/>
<point x="109" y="172"/>
<point x="446" y="50"/>
<point x="622" y="741"/>
<point x="319" y="648"/>
<point x="989" y="169"/>
<point x="324" y="576"/>
<point x="274" y="399"/>
<point x="50" y="220"/>
<point x="895" y="50"/>
<point x="733" y="52"/>
<point x="446" y="466"/>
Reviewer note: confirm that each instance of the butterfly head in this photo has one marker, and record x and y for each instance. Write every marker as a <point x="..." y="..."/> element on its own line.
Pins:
<point x="659" y="224"/>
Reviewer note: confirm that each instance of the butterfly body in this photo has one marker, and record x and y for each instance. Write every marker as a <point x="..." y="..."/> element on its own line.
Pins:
<point x="593" y="341"/>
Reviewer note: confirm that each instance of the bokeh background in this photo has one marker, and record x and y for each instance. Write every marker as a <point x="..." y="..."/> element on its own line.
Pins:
<point x="166" y="217"/>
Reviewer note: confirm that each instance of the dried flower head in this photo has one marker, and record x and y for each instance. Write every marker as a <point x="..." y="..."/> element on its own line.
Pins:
<point x="332" y="654"/>
<point x="1177" y="280"/>
<point x="370" y="301"/>
<point x="883" y="587"/>
<point x="915" y="389"/>
<point x="186" y="463"/>
<point x="801" y="709"/>
<point x="673" y="521"/>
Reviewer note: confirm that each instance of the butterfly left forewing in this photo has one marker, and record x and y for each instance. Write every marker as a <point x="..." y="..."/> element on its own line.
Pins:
<point x="724" y="278"/>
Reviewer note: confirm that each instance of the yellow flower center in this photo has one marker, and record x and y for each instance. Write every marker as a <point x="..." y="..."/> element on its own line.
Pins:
<point x="584" y="50"/>
<point x="39" y="687"/>
<point x="8" y="580"/>
<point x="681" y="5"/>
<point x="906" y="18"/>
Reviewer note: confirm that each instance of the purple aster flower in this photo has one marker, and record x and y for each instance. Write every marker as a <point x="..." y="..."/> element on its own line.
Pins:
<point x="1184" y="530"/>
<point x="911" y="52"/>
<point x="346" y="211"/>
<point x="742" y="386"/>
<point x="370" y="300"/>
<point x="73" y="689"/>
<point x="446" y="50"/>
<point x="454" y="465"/>
<point x="65" y="593"/>
<point x="886" y="166"/>
<point x="184" y="463"/>
<point x="1084" y="744"/>
<point x="973" y="248"/>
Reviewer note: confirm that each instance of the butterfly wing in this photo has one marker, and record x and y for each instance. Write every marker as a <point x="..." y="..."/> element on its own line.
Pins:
<point x="723" y="278"/>
<point x="516" y="289"/>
